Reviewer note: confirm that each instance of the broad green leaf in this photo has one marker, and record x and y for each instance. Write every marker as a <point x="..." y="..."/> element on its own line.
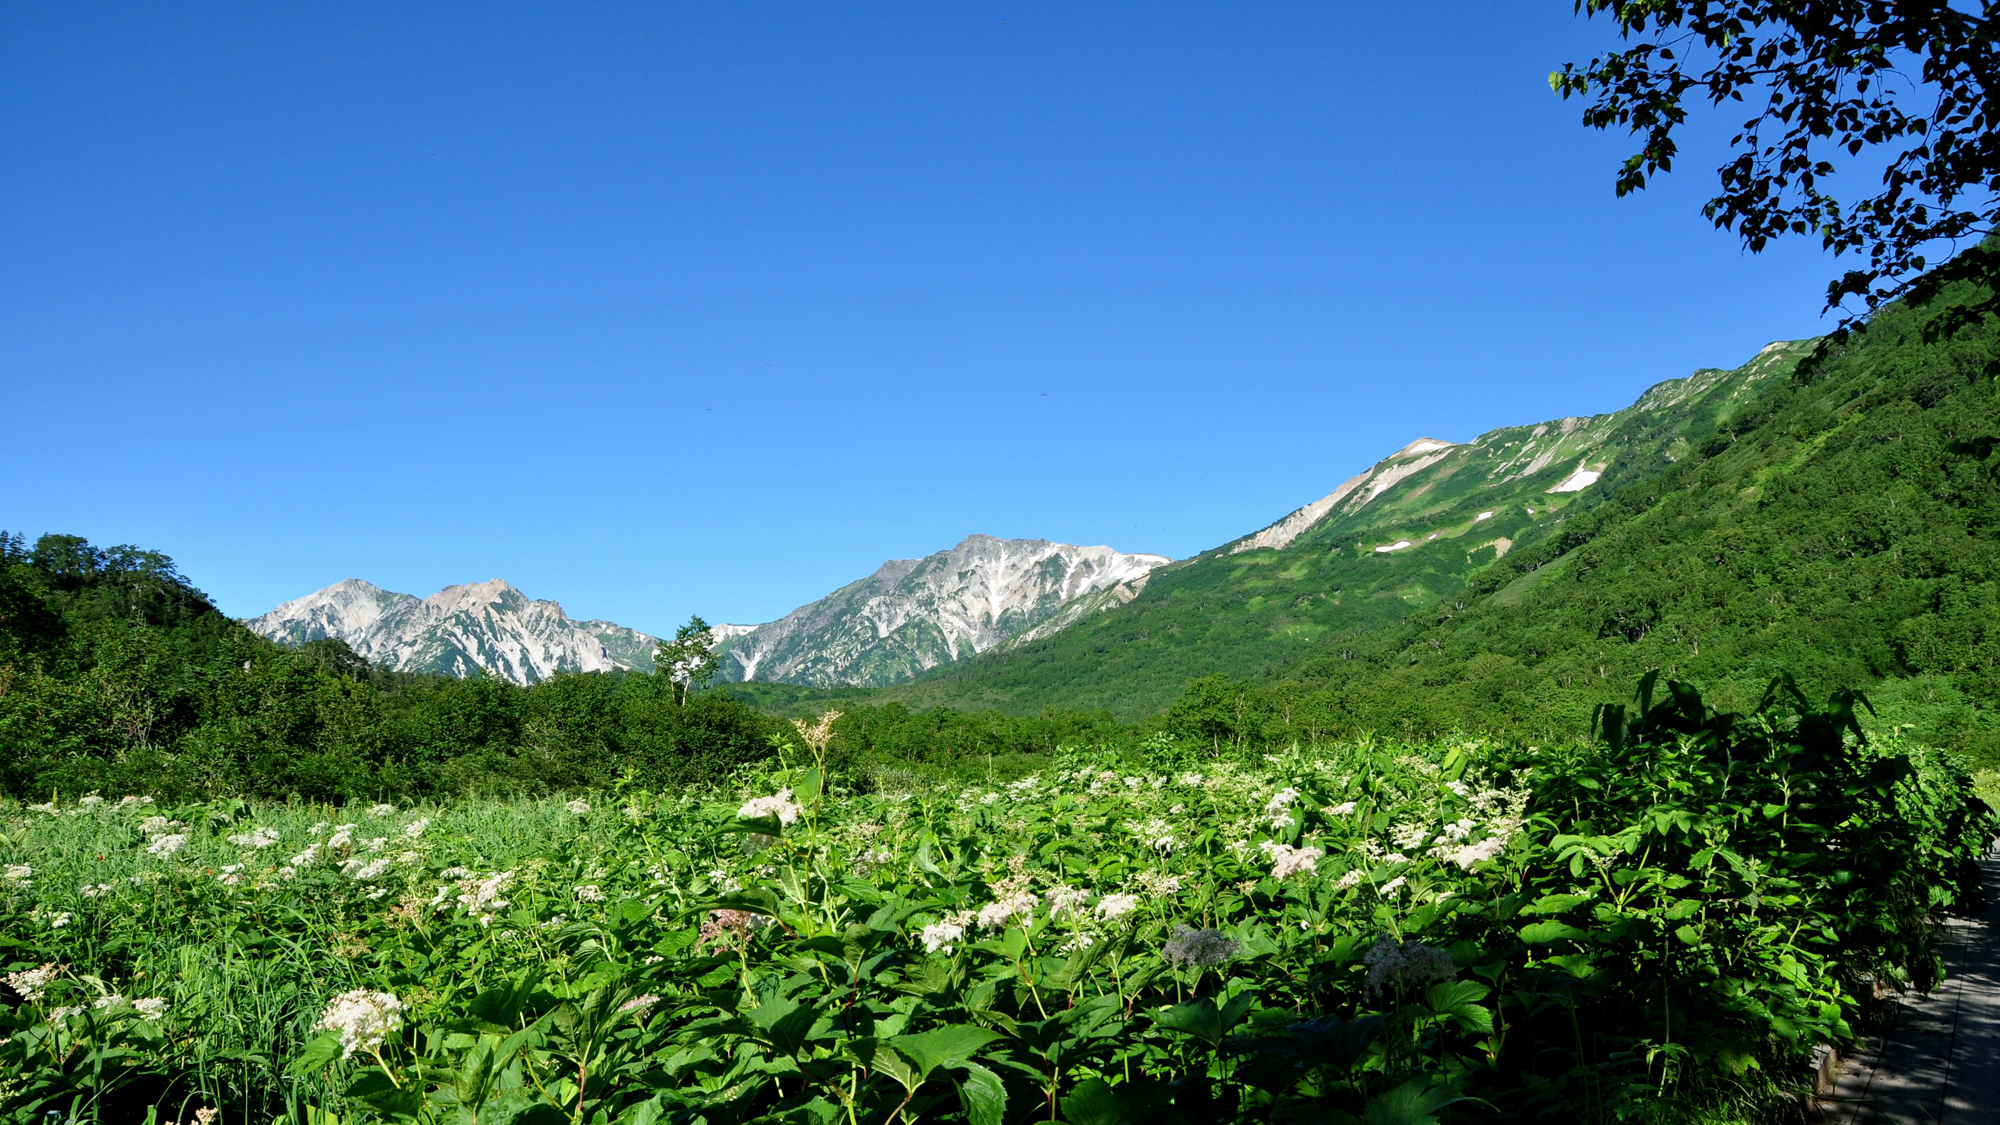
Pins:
<point x="983" y="1095"/>
<point x="1093" y="1102"/>
<point x="1541" y="933"/>
<point x="946" y="1046"/>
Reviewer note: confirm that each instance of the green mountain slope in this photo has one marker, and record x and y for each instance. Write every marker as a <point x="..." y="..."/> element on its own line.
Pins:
<point x="1400" y="539"/>
<point x="1844" y="526"/>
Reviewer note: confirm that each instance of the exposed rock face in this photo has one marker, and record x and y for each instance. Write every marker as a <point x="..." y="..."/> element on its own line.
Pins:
<point x="912" y="615"/>
<point x="487" y="626"/>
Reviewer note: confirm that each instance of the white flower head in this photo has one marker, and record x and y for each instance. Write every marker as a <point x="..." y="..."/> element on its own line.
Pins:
<point x="59" y="920"/>
<point x="589" y="892"/>
<point x="1289" y="861"/>
<point x="163" y="847"/>
<point x="1112" y="907"/>
<point x="578" y="806"/>
<point x="384" y="809"/>
<point x="363" y="1018"/>
<point x="152" y="1007"/>
<point x="18" y="873"/>
<point x="416" y="827"/>
<point x="29" y="983"/>
<point x="779" y="804"/>
<point x="255" y="839"/>
<point x="942" y="935"/>
<point x="996" y="914"/>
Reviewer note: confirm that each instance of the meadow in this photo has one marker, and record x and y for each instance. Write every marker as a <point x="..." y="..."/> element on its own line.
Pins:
<point x="1660" y="924"/>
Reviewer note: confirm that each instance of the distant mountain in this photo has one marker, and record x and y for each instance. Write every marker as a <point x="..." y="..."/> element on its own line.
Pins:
<point x="913" y="615"/>
<point x="459" y="629"/>
<point x="1400" y="538"/>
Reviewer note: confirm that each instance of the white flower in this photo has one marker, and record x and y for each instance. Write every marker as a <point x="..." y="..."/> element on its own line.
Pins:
<point x="1192" y="780"/>
<point x="89" y="801"/>
<point x="372" y="870"/>
<point x="165" y="846"/>
<point x="942" y="935"/>
<point x="1066" y="900"/>
<point x="1406" y="836"/>
<point x="416" y="827"/>
<point x="154" y="825"/>
<point x="342" y="838"/>
<point x="152" y="1007"/>
<point x="376" y="893"/>
<point x="19" y="873"/>
<point x="589" y="892"/>
<point x="639" y="1005"/>
<point x="65" y="1012"/>
<point x="29" y="983"/>
<point x="1393" y="887"/>
<point x="1395" y="857"/>
<point x="1113" y="907"/>
<point x="258" y="838"/>
<point x="1480" y="852"/>
<point x="305" y="858"/>
<point x="103" y="1002"/>
<point x="382" y="810"/>
<point x="481" y="898"/>
<point x="59" y="920"/>
<point x="319" y="828"/>
<point x="578" y="806"/>
<point x="288" y="872"/>
<point x="1203" y="949"/>
<point x="231" y="875"/>
<point x="1342" y="809"/>
<point x="363" y="1018"/>
<point x="133" y="802"/>
<point x="1351" y="879"/>
<point x="453" y="873"/>
<point x="45" y="807"/>
<point x="779" y="804"/>
<point x="996" y="914"/>
<point x="1159" y="884"/>
<point x="95" y="890"/>
<point x="377" y="844"/>
<point x="1289" y="861"/>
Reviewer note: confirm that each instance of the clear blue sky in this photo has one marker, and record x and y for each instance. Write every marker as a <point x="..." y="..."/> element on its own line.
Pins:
<point x="672" y="308"/>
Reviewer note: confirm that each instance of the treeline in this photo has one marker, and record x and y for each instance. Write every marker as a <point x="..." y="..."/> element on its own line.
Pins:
<point x="119" y="676"/>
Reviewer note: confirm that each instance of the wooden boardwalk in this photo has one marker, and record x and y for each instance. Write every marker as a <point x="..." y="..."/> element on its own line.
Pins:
<point x="1940" y="1062"/>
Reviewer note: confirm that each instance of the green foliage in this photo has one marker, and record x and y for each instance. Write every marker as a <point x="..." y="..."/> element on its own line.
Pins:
<point x="1372" y="932"/>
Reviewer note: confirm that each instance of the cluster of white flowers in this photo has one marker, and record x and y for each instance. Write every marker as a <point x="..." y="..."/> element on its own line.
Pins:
<point x="384" y="809"/>
<point x="44" y="807"/>
<point x="1112" y="907"/>
<point x="1018" y="904"/>
<point x="1393" y="887"/>
<point x="20" y="874"/>
<point x="1471" y="854"/>
<point x="342" y="839"/>
<point x="362" y="871"/>
<point x="1277" y="810"/>
<point x="95" y="890"/>
<point x="1190" y="779"/>
<point x="638" y="1006"/>
<point x="1064" y="899"/>
<point x="779" y="804"/>
<point x="1201" y="949"/>
<point x="1344" y="808"/>
<point x="30" y="983"/>
<point x="1396" y="964"/>
<point x="1156" y="834"/>
<point x="152" y="1007"/>
<point x="1351" y="879"/>
<point x="154" y="825"/>
<point x="59" y="919"/>
<point x="231" y="875"/>
<point x="944" y="934"/>
<point x="255" y="839"/>
<point x="164" y="846"/>
<point x="1287" y="861"/>
<point x="363" y="1018"/>
<point x="589" y="892"/>
<point x="1406" y="836"/>
<point x="579" y="806"/>
<point x="416" y="827"/>
<point x="1159" y="884"/>
<point x="481" y="897"/>
<point x="305" y="858"/>
<point x="133" y="802"/>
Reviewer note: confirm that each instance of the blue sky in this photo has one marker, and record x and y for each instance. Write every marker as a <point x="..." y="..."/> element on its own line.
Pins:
<point x="671" y="308"/>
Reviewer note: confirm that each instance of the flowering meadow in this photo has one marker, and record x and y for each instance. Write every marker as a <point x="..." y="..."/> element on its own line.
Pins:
<point x="1663" y="922"/>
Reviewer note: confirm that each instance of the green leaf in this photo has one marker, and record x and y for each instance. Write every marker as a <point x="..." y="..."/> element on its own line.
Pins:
<point x="1409" y="1104"/>
<point x="948" y="1046"/>
<point x="1093" y="1102"/>
<point x="755" y="826"/>
<point x="983" y="1095"/>
<point x="320" y="1051"/>
<point x="1541" y="933"/>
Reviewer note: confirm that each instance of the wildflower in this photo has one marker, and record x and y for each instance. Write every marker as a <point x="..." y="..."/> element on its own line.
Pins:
<point x="1406" y="964"/>
<point x="942" y="935"/>
<point x="377" y="844"/>
<point x="589" y="892"/>
<point x="371" y="870"/>
<point x="167" y="845"/>
<point x="65" y="1012"/>
<point x="319" y="828"/>
<point x="1351" y="879"/>
<point x="1288" y="861"/>
<point x="376" y="893"/>
<point x="1110" y="908"/>
<point x="1066" y="900"/>
<point x="129" y="802"/>
<point x="1281" y="800"/>
<point x="29" y="983"/>
<point x="1345" y="808"/>
<point x="1406" y="836"/>
<point x="258" y="838"/>
<point x="152" y="1007"/>
<point x="1459" y="829"/>
<point x="105" y="1002"/>
<point x="231" y="875"/>
<point x="1155" y="834"/>
<point x="46" y="807"/>
<point x="382" y="810"/>
<point x="652" y="959"/>
<point x="482" y="898"/>
<point x="154" y="825"/>
<point x="779" y="804"/>
<point x="1395" y="857"/>
<point x="1393" y="887"/>
<point x="1077" y="943"/>
<point x="409" y="859"/>
<point x="363" y="1018"/>
<point x="578" y="806"/>
<point x="453" y="873"/>
<point x="342" y="838"/>
<point x="638" y="1006"/>
<point x="1471" y="854"/>
<point x="1191" y="780"/>
<point x="1159" y="884"/>
<point x="306" y="858"/>
<point x="416" y="827"/>
<point x="60" y="920"/>
<point x="1202" y="949"/>
<point x="817" y="735"/>
<point x="89" y="801"/>
<point x="724" y="926"/>
<point x="19" y="873"/>
<point x="288" y="872"/>
<point x="996" y="914"/>
<point x="95" y="890"/>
